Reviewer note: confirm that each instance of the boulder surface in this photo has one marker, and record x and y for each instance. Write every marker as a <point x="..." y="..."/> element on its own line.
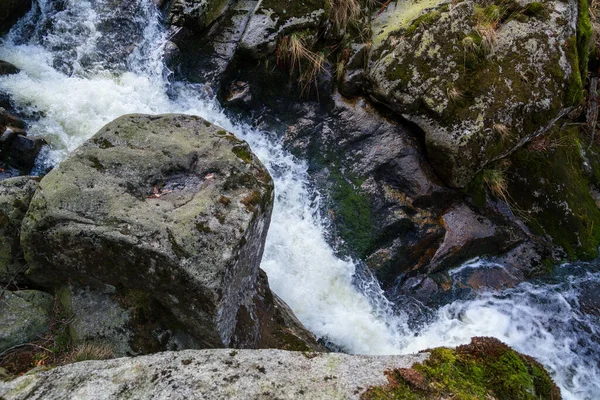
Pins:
<point x="23" y="316"/>
<point x="212" y="374"/>
<point x="169" y="210"/>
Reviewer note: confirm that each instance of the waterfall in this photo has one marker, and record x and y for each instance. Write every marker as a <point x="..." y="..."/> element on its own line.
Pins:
<point x="85" y="63"/>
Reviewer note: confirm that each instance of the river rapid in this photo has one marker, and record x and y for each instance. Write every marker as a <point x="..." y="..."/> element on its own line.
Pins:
<point x="78" y="73"/>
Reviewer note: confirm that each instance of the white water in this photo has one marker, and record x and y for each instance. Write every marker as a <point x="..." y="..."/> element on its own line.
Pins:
<point x="70" y="98"/>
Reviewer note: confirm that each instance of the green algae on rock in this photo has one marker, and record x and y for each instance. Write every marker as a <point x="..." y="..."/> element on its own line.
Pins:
<point x="24" y="316"/>
<point x="485" y="368"/>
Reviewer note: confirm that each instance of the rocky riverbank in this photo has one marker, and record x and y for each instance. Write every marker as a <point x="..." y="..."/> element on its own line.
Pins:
<point x="268" y="374"/>
<point x="437" y="131"/>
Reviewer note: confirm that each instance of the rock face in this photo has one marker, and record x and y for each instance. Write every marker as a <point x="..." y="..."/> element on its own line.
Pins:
<point x="451" y="94"/>
<point x="15" y="195"/>
<point x="194" y="14"/>
<point x="212" y="374"/>
<point x="11" y="11"/>
<point x="477" y="79"/>
<point x="23" y="316"/>
<point x="17" y="149"/>
<point x="169" y="208"/>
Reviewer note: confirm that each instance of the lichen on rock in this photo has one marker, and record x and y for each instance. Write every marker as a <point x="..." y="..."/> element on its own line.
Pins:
<point x="477" y="85"/>
<point x="138" y="207"/>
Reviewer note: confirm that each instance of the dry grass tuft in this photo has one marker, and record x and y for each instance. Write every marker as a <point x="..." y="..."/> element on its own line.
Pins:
<point x="496" y="182"/>
<point x="344" y="12"/>
<point x="293" y="52"/>
<point x="455" y="94"/>
<point x="501" y="130"/>
<point x="92" y="351"/>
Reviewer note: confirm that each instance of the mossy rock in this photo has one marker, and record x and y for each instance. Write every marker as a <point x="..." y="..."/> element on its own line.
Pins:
<point x="15" y="195"/>
<point x="478" y="78"/>
<point x="485" y="368"/>
<point x="24" y="316"/>
<point x="194" y="14"/>
<point x="137" y="208"/>
<point x="551" y="193"/>
<point x="275" y="18"/>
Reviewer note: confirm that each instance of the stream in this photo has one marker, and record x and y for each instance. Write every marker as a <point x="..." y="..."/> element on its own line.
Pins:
<point x="78" y="73"/>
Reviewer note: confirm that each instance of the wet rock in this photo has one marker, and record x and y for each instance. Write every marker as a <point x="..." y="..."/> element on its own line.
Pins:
<point x="24" y="316"/>
<point x="11" y="11"/>
<point x="194" y="14"/>
<point x="275" y="18"/>
<point x="15" y="195"/>
<point x="468" y="235"/>
<point x="7" y="68"/>
<point x="213" y="374"/>
<point x="24" y="150"/>
<point x="589" y="300"/>
<point x="205" y="55"/>
<point x="477" y="94"/>
<point x="168" y="206"/>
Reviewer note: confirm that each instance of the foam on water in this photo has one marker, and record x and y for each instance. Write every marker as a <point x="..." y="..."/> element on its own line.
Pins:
<point x="68" y="105"/>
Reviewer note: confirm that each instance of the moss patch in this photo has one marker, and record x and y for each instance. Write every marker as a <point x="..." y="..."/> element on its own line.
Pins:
<point x="553" y="195"/>
<point x="584" y="35"/>
<point x="352" y="213"/>
<point x="486" y="368"/>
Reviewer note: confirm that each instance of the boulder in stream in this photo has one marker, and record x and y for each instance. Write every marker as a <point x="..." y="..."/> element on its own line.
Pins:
<point x="172" y="212"/>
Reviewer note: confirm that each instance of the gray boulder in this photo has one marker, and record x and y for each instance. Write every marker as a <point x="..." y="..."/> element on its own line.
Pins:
<point x="212" y="374"/>
<point x="96" y="316"/>
<point x="170" y="207"/>
<point x="15" y="195"/>
<point x="24" y="316"/>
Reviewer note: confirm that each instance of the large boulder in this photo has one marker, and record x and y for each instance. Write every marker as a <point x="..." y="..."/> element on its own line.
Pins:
<point x="486" y="368"/>
<point x="212" y="374"/>
<point x="24" y="317"/>
<point x="15" y="195"/>
<point x="479" y="78"/>
<point x="170" y="207"/>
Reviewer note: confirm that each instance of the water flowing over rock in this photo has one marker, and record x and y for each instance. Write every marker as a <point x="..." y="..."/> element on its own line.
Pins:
<point x="172" y="212"/>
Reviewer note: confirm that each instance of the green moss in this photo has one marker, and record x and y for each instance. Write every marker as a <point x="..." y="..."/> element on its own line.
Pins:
<point x="486" y="368"/>
<point x="584" y="35"/>
<point x="243" y="153"/>
<point x="424" y="20"/>
<point x="536" y="9"/>
<point x="547" y="184"/>
<point x="574" y="92"/>
<point x="352" y="214"/>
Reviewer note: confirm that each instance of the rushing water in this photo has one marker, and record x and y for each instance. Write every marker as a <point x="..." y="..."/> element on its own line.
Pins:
<point x="79" y="73"/>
